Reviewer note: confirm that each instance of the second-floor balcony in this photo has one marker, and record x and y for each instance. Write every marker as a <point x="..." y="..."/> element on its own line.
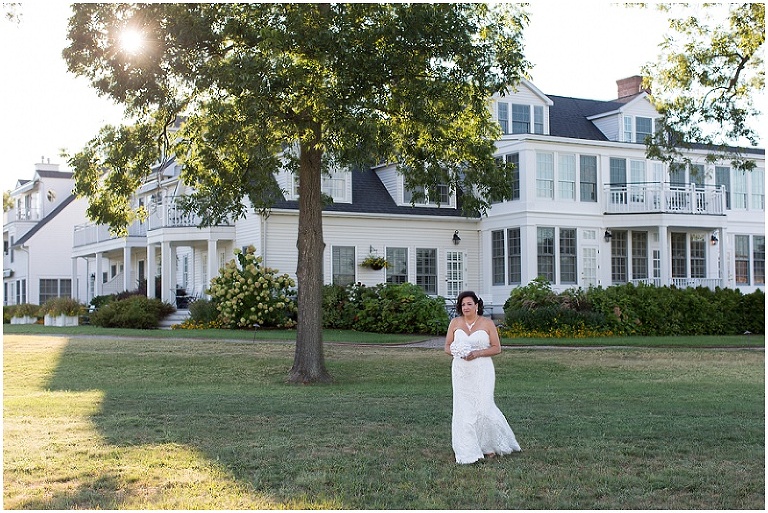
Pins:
<point x="164" y="215"/>
<point x="632" y="198"/>
<point x="86" y="234"/>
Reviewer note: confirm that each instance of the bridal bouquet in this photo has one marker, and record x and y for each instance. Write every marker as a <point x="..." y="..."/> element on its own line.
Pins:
<point x="461" y="348"/>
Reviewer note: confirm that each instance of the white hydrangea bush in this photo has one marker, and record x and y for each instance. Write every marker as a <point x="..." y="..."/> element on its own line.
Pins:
<point x="246" y="293"/>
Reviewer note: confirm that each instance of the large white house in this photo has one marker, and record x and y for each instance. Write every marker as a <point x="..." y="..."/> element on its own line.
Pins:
<point x="589" y="209"/>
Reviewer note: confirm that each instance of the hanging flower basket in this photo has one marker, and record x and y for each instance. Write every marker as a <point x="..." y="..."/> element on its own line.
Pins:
<point x="375" y="262"/>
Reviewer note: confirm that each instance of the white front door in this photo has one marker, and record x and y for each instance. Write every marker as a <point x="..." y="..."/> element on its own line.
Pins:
<point x="454" y="273"/>
<point x="589" y="269"/>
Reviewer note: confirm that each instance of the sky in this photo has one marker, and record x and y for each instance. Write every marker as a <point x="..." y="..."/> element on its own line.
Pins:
<point x="577" y="49"/>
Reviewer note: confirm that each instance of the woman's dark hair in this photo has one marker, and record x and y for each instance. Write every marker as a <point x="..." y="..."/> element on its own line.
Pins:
<point x="466" y="294"/>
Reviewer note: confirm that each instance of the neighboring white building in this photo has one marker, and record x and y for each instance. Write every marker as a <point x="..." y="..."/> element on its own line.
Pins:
<point x="589" y="210"/>
<point x="37" y="238"/>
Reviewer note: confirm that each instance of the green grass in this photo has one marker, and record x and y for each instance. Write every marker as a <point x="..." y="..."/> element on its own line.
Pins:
<point x="357" y="337"/>
<point x="147" y="423"/>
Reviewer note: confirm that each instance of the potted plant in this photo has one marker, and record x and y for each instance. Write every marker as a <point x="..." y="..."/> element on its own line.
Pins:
<point x="24" y="313"/>
<point x="62" y="311"/>
<point x="375" y="262"/>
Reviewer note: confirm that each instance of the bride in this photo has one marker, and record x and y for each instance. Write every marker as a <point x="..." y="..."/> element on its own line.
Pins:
<point x="478" y="428"/>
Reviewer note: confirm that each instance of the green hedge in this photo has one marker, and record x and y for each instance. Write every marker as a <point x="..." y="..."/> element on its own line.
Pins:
<point x="384" y="308"/>
<point x="137" y="312"/>
<point x="634" y="310"/>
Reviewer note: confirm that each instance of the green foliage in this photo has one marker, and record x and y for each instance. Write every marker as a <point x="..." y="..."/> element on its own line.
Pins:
<point x="707" y="76"/>
<point x="297" y="87"/>
<point x="384" y="308"/>
<point x="633" y="310"/>
<point x="138" y="312"/>
<point x="62" y="306"/>
<point x="247" y="293"/>
<point x="203" y="311"/>
<point x="22" y="310"/>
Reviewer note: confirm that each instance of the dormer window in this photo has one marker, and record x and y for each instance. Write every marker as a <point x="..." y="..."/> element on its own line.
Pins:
<point x="521" y="116"/>
<point x="637" y="128"/>
<point x="335" y="186"/>
<point x="443" y="197"/>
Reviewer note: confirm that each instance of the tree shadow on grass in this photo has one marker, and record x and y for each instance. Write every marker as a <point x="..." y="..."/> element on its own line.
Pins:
<point x="275" y="445"/>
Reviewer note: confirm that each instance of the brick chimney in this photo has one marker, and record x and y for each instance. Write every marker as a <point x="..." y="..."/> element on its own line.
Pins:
<point x="630" y="86"/>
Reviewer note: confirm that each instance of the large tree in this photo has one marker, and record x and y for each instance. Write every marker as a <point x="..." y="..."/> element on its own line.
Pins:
<point x="705" y="82"/>
<point x="303" y="86"/>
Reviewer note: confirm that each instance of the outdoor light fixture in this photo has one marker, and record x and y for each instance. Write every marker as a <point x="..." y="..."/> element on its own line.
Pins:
<point x="713" y="239"/>
<point x="607" y="236"/>
<point x="456" y="238"/>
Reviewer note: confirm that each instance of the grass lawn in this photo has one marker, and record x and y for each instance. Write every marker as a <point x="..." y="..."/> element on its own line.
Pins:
<point x="183" y="423"/>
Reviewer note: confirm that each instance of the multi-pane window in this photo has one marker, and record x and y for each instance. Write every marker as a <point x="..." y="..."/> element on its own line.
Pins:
<point x="545" y="175"/>
<point x="521" y="119"/>
<point x="514" y="255"/>
<point x="723" y="178"/>
<point x="639" y="255"/>
<point x="627" y="129"/>
<point x="741" y="255"/>
<point x="619" y="256"/>
<point x="335" y="185"/>
<point x="343" y="265"/>
<point x="545" y="253"/>
<point x="52" y="288"/>
<point x="643" y="128"/>
<point x="758" y="189"/>
<point x="679" y="255"/>
<point x="637" y="181"/>
<point x="698" y="256"/>
<point x="497" y="257"/>
<point x="758" y="259"/>
<point x="397" y="270"/>
<point x="503" y="114"/>
<point x="618" y="177"/>
<point x="566" y="177"/>
<point x="588" y="177"/>
<point x="514" y="160"/>
<point x="568" y="267"/>
<point x="426" y="270"/>
<point x="442" y="196"/>
<point x="637" y="129"/>
<point x="739" y="188"/>
<point x="538" y="119"/>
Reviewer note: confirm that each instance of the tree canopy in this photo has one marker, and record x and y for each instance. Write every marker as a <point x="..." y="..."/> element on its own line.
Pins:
<point x="304" y="86"/>
<point x="705" y="81"/>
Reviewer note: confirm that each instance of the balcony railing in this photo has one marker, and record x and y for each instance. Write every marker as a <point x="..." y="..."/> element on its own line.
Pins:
<point x="86" y="234"/>
<point x="168" y="215"/>
<point x="664" y="198"/>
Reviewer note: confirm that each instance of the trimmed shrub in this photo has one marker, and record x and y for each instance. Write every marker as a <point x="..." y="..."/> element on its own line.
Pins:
<point x="384" y="308"/>
<point x="137" y="312"/>
<point x="203" y="311"/>
<point x="633" y="310"/>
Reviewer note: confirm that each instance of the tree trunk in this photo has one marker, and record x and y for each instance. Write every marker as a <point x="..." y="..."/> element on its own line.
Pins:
<point x="308" y="361"/>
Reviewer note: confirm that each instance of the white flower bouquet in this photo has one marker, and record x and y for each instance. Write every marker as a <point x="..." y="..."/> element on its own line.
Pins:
<point x="460" y="348"/>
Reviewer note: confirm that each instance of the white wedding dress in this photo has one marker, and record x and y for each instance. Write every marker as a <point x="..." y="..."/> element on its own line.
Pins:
<point x="478" y="426"/>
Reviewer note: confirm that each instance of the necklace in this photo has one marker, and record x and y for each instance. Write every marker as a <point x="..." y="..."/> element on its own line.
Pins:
<point x="470" y="326"/>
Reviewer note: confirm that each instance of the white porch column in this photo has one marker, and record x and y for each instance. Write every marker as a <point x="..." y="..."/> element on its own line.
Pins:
<point x="99" y="281"/>
<point x="127" y="269"/>
<point x="151" y="269"/>
<point x="213" y="261"/>
<point x="725" y="264"/>
<point x="664" y="256"/>
<point x="75" y="283"/>
<point x="168" y="270"/>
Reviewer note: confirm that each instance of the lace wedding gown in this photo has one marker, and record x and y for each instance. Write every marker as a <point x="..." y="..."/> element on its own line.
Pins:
<point x="478" y="426"/>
